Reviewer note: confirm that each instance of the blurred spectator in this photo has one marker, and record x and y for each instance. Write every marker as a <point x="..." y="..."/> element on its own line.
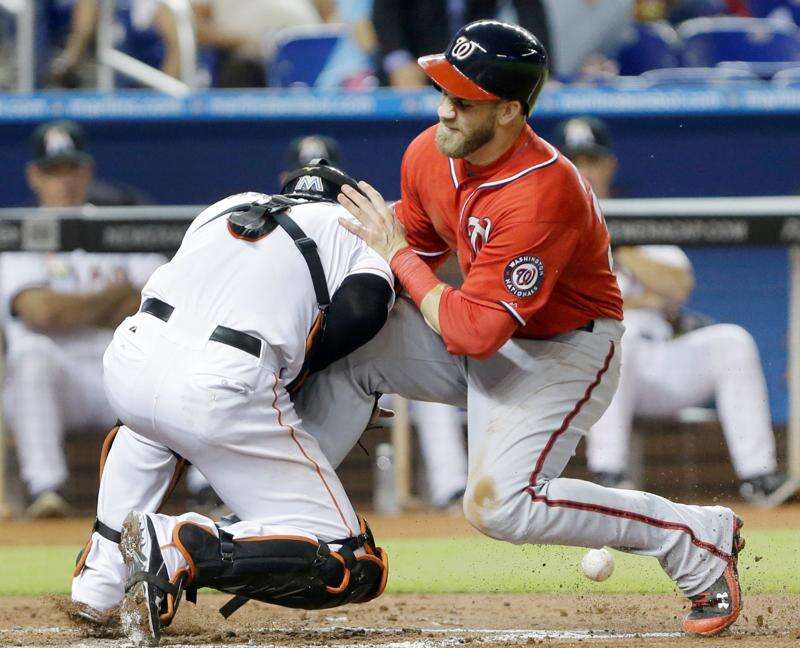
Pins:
<point x="244" y="32"/>
<point x="62" y="172"/>
<point x="676" y="11"/>
<point x="60" y="310"/>
<point x="351" y="64"/>
<point x="672" y="359"/>
<point x="408" y="29"/>
<point x="304" y="149"/>
<point x="65" y="68"/>
<point x="584" y="32"/>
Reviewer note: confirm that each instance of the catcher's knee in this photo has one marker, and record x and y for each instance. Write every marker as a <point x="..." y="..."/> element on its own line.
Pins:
<point x="289" y="571"/>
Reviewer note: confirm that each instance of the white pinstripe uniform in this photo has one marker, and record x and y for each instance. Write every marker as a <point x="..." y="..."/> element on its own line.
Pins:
<point x="222" y="408"/>
<point x="54" y="380"/>
<point x="662" y="374"/>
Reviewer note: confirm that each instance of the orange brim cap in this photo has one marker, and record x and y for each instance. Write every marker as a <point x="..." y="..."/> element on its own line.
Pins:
<point x="446" y="76"/>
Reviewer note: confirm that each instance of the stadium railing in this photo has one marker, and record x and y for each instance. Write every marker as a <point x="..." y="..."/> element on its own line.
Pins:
<point x="113" y="60"/>
<point x="756" y="221"/>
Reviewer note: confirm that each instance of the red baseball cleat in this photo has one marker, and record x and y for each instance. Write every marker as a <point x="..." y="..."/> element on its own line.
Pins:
<point x="719" y="606"/>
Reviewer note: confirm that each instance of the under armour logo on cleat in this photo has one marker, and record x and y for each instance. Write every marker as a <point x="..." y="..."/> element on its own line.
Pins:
<point x="722" y="601"/>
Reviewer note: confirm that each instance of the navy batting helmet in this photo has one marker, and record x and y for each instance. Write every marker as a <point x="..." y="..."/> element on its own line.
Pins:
<point x="490" y="60"/>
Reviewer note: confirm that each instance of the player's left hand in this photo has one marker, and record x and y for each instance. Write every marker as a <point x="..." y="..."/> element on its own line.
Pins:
<point x="377" y="224"/>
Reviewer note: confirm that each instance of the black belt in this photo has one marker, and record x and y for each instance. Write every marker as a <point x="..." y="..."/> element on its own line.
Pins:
<point x="242" y="341"/>
<point x="586" y="327"/>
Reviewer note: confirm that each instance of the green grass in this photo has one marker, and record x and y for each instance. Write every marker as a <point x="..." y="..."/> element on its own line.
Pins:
<point x="434" y="565"/>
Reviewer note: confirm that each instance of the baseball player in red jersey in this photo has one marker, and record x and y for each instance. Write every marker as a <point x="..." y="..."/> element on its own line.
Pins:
<point x="531" y="340"/>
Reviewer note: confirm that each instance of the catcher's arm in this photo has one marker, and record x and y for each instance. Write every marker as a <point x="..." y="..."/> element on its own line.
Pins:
<point x="358" y="310"/>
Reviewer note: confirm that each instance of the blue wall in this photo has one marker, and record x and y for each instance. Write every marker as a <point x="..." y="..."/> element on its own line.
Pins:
<point x="197" y="162"/>
<point x="749" y="286"/>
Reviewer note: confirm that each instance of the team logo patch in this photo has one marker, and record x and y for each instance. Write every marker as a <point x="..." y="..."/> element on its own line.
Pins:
<point x="463" y="48"/>
<point x="309" y="183"/>
<point x="523" y="275"/>
<point x="478" y="230"/>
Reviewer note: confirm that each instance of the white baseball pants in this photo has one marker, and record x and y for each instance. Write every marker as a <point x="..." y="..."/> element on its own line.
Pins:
<point x="226" y="412"/>
<point x="528" y="407"/>
<point x="47" y="392"/>
<point x="659" y="378"/>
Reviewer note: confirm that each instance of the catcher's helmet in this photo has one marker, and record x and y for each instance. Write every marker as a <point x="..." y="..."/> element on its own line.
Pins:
<point x="490" y="60"/>
<point x="318" y="181"/>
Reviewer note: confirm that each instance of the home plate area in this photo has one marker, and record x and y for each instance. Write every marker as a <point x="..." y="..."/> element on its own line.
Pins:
<point x="424" y="621"/>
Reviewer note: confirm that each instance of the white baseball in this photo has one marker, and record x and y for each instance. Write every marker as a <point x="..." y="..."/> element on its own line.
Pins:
<point x="597" y="564"/>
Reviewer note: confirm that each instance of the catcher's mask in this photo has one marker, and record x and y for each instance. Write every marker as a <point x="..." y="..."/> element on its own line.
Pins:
<point x="318" y="181"/>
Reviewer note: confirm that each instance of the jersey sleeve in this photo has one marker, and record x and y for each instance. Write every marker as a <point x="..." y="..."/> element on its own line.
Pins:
<point x="519" y="266"/>
<point x="362" y="259"/>
<point x="420" y="233"/>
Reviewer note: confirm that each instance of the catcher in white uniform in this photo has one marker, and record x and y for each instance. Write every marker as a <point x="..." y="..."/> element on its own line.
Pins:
<point x="439" y="427"/>
<point x="203" y="373"/>
<point x="670" y="358"/>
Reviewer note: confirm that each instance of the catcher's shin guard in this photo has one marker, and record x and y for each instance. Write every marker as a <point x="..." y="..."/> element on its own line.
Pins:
<point x="289" y="571"/>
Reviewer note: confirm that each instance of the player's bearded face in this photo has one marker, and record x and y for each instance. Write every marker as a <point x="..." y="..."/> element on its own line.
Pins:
<point x="464" y="128"/>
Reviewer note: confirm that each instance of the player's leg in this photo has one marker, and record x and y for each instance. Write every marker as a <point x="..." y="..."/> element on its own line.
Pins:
<point x="608" y="442"/>
<point x="405" y="358"/>
<point x="136" y="473"/>
<point x="722" y="362"/>
<point x="169" y="555"/>
<point x="240" y="429"/>
<point x="34" y="407"/>
<point x="528" y="407"/>
<point x="441" y="441"/>
<point x="256" y="455"/>
<point x="86" y="405"/>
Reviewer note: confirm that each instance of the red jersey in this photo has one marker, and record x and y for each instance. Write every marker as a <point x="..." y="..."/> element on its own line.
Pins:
<point x="529" y="235"/>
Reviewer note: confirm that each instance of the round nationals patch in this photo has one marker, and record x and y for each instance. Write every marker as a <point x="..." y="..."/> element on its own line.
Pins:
<point x="524" y="275"/>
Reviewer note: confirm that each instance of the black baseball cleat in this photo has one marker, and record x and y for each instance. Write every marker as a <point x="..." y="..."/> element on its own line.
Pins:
<point x="151" y="600"/>
<point x="719" y="606"/>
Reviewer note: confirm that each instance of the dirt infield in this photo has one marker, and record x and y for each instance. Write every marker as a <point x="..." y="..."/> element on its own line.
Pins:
<point x="427" y="621"/>
<point x="414" y="620"/>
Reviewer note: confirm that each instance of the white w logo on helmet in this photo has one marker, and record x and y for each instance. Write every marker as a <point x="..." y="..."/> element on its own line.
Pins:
<point x="309" y="183"/>
<point x="463" y="48"/>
